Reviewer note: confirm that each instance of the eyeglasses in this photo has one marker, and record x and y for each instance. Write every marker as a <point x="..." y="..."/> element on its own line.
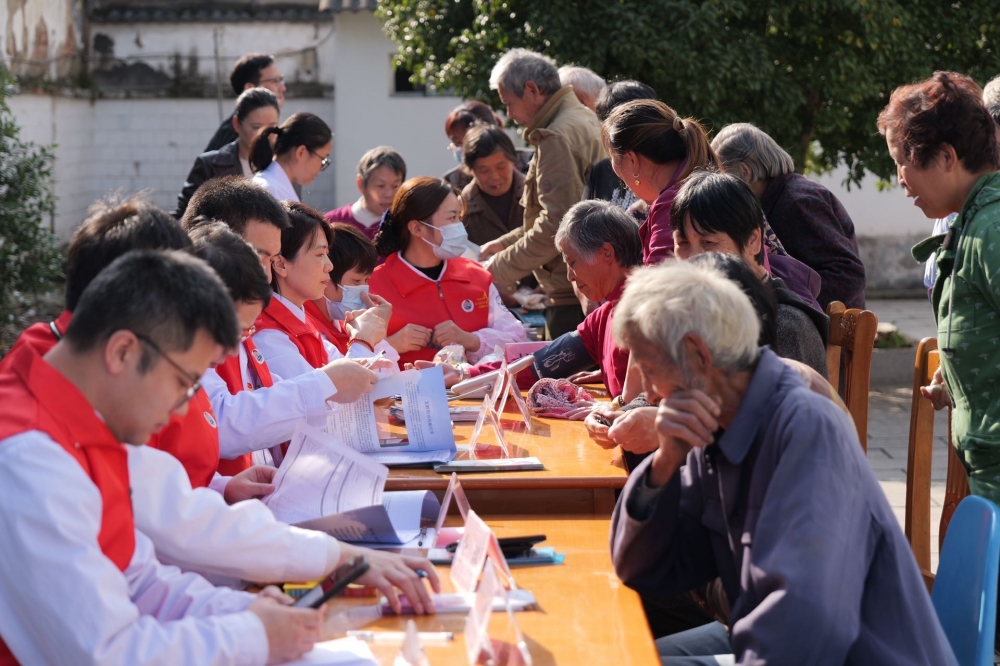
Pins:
<point x="247" y="332"/>
<point x="195" y="381"/>
<point x="324" y="161"/>
<point x="273" y="79"/>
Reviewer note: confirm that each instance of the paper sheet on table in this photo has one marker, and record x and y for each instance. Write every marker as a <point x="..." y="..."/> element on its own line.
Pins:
<point x="428" y="422"/>
<point x="348" y="651"/>
<point x="396" y="521"/>
<point x="321" y="476"/>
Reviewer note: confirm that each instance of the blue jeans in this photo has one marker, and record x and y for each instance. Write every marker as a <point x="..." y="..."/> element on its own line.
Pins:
<point x="702" y="646"/>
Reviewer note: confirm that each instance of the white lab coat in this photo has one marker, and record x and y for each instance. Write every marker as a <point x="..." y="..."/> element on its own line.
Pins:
<point x="276" y="181"/>
<point x="63" y="602"/>
<point x="194" y="528"/>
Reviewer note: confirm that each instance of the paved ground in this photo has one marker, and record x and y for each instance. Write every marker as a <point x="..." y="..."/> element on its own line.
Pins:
<point x="889" y="419"/>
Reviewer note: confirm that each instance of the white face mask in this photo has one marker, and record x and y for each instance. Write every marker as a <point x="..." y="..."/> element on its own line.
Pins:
<point x="351" y="298"/>
<point x="336" y="311"/>
<point x="453" y="239"/>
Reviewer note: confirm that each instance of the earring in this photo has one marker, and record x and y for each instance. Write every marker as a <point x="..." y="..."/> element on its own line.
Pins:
<point x="636" y="176"/>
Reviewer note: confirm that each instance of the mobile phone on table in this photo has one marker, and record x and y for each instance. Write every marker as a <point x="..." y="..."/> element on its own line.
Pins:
<point x="511" y="546"/>
<point x="341" y="577"/>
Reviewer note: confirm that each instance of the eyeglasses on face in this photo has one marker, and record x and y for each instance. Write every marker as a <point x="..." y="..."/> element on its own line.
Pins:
<point x="195" y="381"/>
<point x="273" y="79"/>
<point x="324" y="161"/>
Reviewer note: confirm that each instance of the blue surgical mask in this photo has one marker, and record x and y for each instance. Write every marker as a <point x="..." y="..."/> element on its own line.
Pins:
<point x="453" y="240"/>
<point x="351" y="299"/>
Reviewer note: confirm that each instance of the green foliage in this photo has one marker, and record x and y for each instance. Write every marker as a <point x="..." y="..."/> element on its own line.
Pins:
<point x="29" y="256"/>
<point x="814" y="74"/>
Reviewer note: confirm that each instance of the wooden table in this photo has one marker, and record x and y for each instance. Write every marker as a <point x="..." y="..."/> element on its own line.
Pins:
<point x="586" y="616"/>
<point x="579" y="476"/>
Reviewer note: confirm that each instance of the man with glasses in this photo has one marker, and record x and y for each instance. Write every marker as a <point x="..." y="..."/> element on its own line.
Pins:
<point x="251" y="71"/>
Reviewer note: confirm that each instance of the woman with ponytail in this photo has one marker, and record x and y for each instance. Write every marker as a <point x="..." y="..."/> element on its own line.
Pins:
<point x="653" y="150"/>
<point x="438" y="298"/>
<point x="300" y="150"/>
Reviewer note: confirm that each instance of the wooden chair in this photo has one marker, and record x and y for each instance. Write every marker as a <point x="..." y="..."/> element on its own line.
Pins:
<point x="849" y="360"/>
<point x="917" y="522"/>
<point x="955" y="490"/>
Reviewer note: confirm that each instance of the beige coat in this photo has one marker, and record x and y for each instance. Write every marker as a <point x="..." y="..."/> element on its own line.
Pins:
<point x="567" y="140"/>
<point x="481" y="222"/>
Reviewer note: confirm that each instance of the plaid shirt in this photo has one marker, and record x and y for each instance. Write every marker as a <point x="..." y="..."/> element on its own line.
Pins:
<point x="815" y="229"/>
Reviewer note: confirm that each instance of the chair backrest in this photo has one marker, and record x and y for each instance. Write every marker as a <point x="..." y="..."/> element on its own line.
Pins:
<point x="849" y="360"/>
<point x="917" y="522"/>
<point x="955" y="490"/>
<point x="965" y="592"/>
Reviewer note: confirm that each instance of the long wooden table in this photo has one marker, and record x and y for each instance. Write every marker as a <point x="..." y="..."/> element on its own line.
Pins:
<point x="579" y="476"/>
<point x="586" y="616"/>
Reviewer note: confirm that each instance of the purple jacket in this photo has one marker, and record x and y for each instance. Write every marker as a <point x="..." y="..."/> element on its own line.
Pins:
<point x="815" y="229"/>
<point x="786" y="510"/>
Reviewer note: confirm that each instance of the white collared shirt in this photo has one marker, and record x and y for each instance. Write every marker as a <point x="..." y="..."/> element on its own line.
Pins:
<point x="277" y="182"/>
<point x="363" y="215"/>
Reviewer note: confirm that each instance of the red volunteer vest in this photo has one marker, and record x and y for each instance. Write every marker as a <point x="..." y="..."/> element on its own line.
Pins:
<point x="461" y="295"/>
<point x="232" y="374"/>
<point x="328" y="329"/>
<point x="302" y="333"/>
<point x="36" y="397"/>
<point x="193" y="438"/>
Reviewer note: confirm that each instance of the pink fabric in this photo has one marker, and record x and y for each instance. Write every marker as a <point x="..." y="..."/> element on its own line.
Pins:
<point x="344" y="214"/>
<point x="595" y="333"/>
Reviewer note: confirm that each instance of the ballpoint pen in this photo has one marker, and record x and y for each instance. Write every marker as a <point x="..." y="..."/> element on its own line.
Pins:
<point x="400" y="636"/>
<point x="374" y="359"/>
<point x="423" y="535"/>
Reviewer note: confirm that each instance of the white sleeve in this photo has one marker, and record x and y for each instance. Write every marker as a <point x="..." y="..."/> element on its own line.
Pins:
<point x="219" y="483"/>
<point x="265" y="417"/>
<point x="196" y="530"/>
<point x="501" y="328"/>
<point x="283" y="357"/>
<point x="63" y="602"/>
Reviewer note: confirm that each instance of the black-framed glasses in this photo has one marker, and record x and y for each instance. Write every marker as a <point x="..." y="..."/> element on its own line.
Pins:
<point x="273" y="79"/>
<point x="324" y="161"/>
<point x="195" y="381"/>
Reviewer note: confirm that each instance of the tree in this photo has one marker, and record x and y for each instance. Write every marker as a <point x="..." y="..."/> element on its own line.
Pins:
<point x="29" y="256"/>
<point x="814" y="74"/>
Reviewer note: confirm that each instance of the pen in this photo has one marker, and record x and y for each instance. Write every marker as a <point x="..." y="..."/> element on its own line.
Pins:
<point x="400" y="636"/>
<point x="374" y="359"/>
<point x="423" y="535"/>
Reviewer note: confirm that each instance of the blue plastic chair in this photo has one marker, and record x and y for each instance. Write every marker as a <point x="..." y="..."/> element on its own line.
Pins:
<point x="965" y="589"/>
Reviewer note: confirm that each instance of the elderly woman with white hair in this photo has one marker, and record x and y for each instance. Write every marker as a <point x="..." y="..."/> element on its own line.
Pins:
<point x="809" y="220"/>
<point x="760" y="482"/>
<point x="587" y="84"/>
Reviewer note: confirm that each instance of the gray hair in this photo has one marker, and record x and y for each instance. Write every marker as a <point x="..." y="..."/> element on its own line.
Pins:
<point x="382" y="156"/>
<point x="664" y="303"/>
<point x="518" y="66"/>
<point x="991" y="92"/>
<point x="588" y="225"/>
<point x="742" y="143"/>
<point x="584" y="80"/>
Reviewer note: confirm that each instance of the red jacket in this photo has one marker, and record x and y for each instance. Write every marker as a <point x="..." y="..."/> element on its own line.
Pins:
<point x="232" y="374"/>
<point x="303" y="334"/>
<point x="462" y="294"/>
<point x="337" y="336"/>
<point x="193" y="438"/>
<point x="36" y="397"/>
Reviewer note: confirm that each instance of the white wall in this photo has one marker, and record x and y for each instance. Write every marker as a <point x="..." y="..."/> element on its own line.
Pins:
<point x="886" y="213"/>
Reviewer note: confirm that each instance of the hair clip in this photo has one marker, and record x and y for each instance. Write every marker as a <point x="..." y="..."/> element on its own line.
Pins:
<point x="386" y="221"/>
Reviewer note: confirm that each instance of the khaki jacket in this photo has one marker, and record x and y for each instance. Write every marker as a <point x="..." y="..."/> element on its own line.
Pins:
<point x="567" y="140"/>
<point x="481" y="222"/>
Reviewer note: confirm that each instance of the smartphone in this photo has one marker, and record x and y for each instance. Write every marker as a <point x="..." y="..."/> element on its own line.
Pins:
<point x="341" y="577"/>
<point x="511" y="546"/>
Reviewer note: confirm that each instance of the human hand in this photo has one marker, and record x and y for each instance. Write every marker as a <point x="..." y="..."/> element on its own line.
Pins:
<point x="449" y="333"/>
<point x="291" y="632"/>
<point x="389" y="571"/>
<point x="274" y="592"/>
<point x="937" y="392"/>
<point x="382" y="306"/>
<point x="351" y="379"/>
<point x="488" y="250"/>
<point x="587" y="377"/>
<point x="451" y="374"/>
<point x="411" y="337"/>
<point x="683" y="421"/>
<point x="596" y="423"/>
<point x="252" y="483"/>
<point x="366" y="324"/>
<point x="634" y="430"/>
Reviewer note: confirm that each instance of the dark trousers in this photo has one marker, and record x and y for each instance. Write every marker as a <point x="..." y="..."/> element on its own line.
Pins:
<point x="561" y="319"/>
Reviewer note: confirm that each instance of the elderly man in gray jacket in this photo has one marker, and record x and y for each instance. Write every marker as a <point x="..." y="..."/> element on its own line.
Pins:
<point x="567" y="140"/>
<point x="762" y="483"/>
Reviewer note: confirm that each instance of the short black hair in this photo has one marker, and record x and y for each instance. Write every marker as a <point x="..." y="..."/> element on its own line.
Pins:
<point x="166" y="296"/>
<point x="718" y="203"/>
<point x="304" y="222"/>
<point x="350" y="249"/>
<point x="113" y="227"/>
<point x="252" y="99"/>
<point x="233" y="260"/>
<point x="300" y="129"/>
<point x="483" y="140"/>
<point x="761" y="292"/>
<point x="247" y="70"/>
<point x="234" y="200"/>
<point x="617" y="93"/>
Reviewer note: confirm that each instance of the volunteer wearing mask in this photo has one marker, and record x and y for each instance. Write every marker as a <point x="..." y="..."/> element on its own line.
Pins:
<point x="438" y="298"/>
<point x="353" y="258"/>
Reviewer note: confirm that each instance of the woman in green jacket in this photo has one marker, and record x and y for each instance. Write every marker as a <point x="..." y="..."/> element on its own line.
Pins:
<point x="944" y="143"/>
